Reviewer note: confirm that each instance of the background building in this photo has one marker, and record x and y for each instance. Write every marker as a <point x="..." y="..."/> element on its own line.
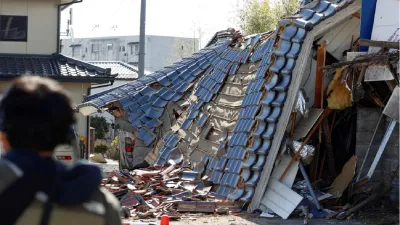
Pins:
<point x="161" y="51"/>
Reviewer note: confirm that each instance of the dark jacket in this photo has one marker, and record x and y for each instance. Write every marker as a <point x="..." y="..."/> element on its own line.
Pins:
<point x="73" y="191"/>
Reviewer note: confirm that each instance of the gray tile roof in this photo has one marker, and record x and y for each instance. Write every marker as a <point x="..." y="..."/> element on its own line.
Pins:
<point x="237" y="172"/>
<point x="56" y="66"/>
<point x="124" y="70"/>
<point x="221" y="36"/>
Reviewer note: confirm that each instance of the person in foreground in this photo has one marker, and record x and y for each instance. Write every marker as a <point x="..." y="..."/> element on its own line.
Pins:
<point x="35" y="117"/>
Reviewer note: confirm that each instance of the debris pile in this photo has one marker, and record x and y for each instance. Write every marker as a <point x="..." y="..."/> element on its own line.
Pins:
<point x="173" y="191"/>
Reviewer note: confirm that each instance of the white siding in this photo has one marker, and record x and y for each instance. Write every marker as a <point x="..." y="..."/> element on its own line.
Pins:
<point x="42" y="26"/>
<point x="386" y="21"/>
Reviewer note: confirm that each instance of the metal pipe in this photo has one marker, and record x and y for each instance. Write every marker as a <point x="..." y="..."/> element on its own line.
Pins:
<point x="142" y="38"/>
<point x="309" y="185"/>
<point x="369" y="148"/>
<point x="382" y="147"/>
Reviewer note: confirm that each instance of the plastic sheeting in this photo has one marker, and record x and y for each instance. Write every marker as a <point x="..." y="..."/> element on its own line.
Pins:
<point x="306" y="153"/>
<point x="301" y="104"/>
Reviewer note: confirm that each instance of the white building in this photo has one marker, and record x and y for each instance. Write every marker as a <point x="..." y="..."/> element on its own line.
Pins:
<point x="160" y="51"/>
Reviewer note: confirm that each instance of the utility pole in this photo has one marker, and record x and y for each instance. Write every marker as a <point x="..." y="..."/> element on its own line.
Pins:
<point x="142" y="37"/>
<point x="194" y="37"/>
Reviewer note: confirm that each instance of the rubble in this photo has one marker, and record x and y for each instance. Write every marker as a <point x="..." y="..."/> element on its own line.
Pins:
<point x="165" y="190"/>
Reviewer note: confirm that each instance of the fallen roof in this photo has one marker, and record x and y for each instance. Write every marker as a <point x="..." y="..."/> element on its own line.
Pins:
<point x="56" y="66"/>
<point x="233" y="125"/>
<point x="124" y="70"/>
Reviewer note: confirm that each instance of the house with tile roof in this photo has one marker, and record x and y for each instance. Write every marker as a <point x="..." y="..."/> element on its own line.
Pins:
<point x="126" y="73"/>
<point x="29" y="43"/>
<point x="226" y="108"/>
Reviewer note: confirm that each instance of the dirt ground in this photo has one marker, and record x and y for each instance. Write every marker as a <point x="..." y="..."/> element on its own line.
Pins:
<point x="373" y="218"/>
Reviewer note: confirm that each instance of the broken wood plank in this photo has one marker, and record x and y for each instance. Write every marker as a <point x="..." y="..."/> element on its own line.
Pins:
<point x="319" y="76"/>
<point x="186" y="206"/>
<point x="294" y="115"/>
<point x="356" y="15"/>
<point x="381" y="44"/>
<point x="343" y="180"/>
<point x="368" y="59"/>
<point x="318" y="102"/>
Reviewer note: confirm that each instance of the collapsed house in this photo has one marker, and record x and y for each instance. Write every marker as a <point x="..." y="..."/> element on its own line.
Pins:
<point x="232" y="110"/>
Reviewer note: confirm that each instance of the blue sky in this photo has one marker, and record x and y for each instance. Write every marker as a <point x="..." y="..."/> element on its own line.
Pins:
<point x="181" y="18"/>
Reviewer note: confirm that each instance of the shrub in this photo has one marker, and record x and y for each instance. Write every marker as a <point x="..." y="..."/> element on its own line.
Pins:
<point x="100" y="125"/>
<point x="101" y="148"/>
<point x="114" y="153"/>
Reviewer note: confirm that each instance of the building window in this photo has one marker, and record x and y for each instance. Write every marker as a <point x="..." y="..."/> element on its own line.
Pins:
<point x="95" y="48"/>
<point x="135" y="49"/>
<point x="76" y="51"/>
<point x="123" y="48"/>
<point x="109" y="47"/>
<point x="13" y="28"/>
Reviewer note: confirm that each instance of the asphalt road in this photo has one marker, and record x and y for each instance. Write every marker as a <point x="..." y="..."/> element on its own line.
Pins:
<point x="110" y="166"/>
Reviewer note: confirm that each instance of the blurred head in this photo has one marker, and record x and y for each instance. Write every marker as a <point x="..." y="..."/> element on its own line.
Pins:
<point x="35" y="115"/>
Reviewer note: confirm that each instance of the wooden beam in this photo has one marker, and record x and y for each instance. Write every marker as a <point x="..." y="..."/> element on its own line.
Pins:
<point x="319" y="76"/>
<point x="294" y="116"/>
<point x="299" y="70"/>
<point x="356" y="15"/>
<point x="381" y="44"/>
<point x="367" y="59"/>
<point x="318" y="102"/>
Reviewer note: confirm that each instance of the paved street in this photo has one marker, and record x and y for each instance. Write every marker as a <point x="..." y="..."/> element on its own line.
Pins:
<point x="110" y="166"/>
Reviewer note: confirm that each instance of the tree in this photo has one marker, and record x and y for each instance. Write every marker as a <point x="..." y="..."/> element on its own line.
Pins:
<point x="100" y="125"/>
<point x="259" y="16"/>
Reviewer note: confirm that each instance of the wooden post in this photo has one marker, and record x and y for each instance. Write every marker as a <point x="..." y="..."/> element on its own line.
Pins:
<point x="294" y="115"/>
<point x="319" y="79"/>
<point x="318" y="102"/>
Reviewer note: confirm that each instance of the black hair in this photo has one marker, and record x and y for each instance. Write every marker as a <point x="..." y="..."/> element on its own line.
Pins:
<point x="36" y="114"/>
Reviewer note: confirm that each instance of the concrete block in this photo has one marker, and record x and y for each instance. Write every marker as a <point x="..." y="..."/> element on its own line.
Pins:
<point x="388" y="153"/>
<point x="368" y="114"/>
<point x="364" y="138"/>
<point x="370" y="125"/>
